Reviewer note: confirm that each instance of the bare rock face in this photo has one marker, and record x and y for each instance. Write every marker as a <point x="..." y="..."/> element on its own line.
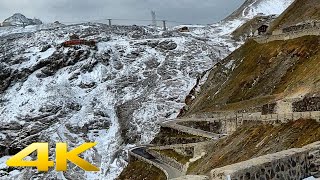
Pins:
<point x="45" y="48"/>
<point x="168" y="45"/>
<point x="5" y="76"/>
<point x="96" y="125"/>
<point x="128" y="131"/>
<point x="307" y="104"/>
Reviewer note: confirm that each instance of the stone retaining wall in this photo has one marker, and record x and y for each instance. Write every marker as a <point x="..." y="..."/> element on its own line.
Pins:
<point x="298" y="27"/>
<point x="196" y="148"/>
<point x="213" y="127"/>
<point x="298" y="163"/>
<point x="290" y="35"/>
<point x="230" y="122"/>
<point x="185" y="129"/>
<point x="192" y="177"/>
<point x="269" y="119"/>
<point x="165" y="137"/>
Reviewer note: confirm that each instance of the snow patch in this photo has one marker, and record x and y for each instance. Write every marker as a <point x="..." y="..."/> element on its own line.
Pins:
<point x="266" y="7"/>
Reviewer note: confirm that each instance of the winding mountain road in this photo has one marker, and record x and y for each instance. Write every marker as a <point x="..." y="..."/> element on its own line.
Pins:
<point x="198" y="132"/>
<point x="173" y="173"/>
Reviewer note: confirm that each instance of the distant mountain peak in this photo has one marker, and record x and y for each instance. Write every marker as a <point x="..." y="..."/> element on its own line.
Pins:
<point x="19" y="19"/>
<point x="18" y="14"/>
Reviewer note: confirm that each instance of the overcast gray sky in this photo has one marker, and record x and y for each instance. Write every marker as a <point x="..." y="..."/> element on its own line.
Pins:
<point x="187" y="11"/>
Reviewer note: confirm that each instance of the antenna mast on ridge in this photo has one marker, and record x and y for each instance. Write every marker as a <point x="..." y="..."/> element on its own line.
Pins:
<point x="154" y="21"/>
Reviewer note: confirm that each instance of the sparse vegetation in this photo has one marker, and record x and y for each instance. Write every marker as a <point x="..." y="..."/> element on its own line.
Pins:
<point x="139" y="170"/>
<point x="174" y="155"/>
<point x="255" y="140"/>
<point x="261" y="73"/>
<point x="168" y="136"/>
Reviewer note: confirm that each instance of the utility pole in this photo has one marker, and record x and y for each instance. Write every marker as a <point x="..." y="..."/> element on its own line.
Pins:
<point x="164" y="25"/>
<point x="110" y="22"/>
<point x="154" y="21"/>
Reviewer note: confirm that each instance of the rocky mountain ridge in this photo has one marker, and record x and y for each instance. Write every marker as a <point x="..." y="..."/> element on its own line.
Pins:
<point x="18" y="19"/>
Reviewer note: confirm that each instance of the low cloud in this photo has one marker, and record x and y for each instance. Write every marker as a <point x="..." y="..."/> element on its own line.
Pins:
<point x="187" y="11"/>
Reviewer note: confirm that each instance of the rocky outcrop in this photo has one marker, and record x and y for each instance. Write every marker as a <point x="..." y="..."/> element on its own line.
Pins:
<point x="49" y="67"/>
<point x="307" y="104"/>
<point x="20" y="20"/>
<point x="5" y="77"/>
<point x="128" y="131"/>
<point x="59" y="60"/>
<point x="167" y="45"/>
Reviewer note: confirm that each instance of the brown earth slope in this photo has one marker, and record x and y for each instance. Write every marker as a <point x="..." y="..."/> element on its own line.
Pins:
<point x="139" y="170"/>
<point x="256" y="140"/>
<point x="256" y="74"/>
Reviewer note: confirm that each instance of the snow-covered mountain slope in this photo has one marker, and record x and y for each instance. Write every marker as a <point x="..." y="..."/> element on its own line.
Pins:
<point x="20" y="20"/>
<point x="114" y="95"/>
<point x="251" y="8"/>
<point x="248" y="10"/>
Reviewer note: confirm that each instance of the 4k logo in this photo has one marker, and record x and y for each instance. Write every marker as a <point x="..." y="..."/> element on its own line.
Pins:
<point x="62" y="156"/>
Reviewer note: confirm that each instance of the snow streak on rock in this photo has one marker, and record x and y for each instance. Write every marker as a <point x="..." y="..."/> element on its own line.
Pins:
<point x="267" y="7"/>
<point x="251" y="8"/>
